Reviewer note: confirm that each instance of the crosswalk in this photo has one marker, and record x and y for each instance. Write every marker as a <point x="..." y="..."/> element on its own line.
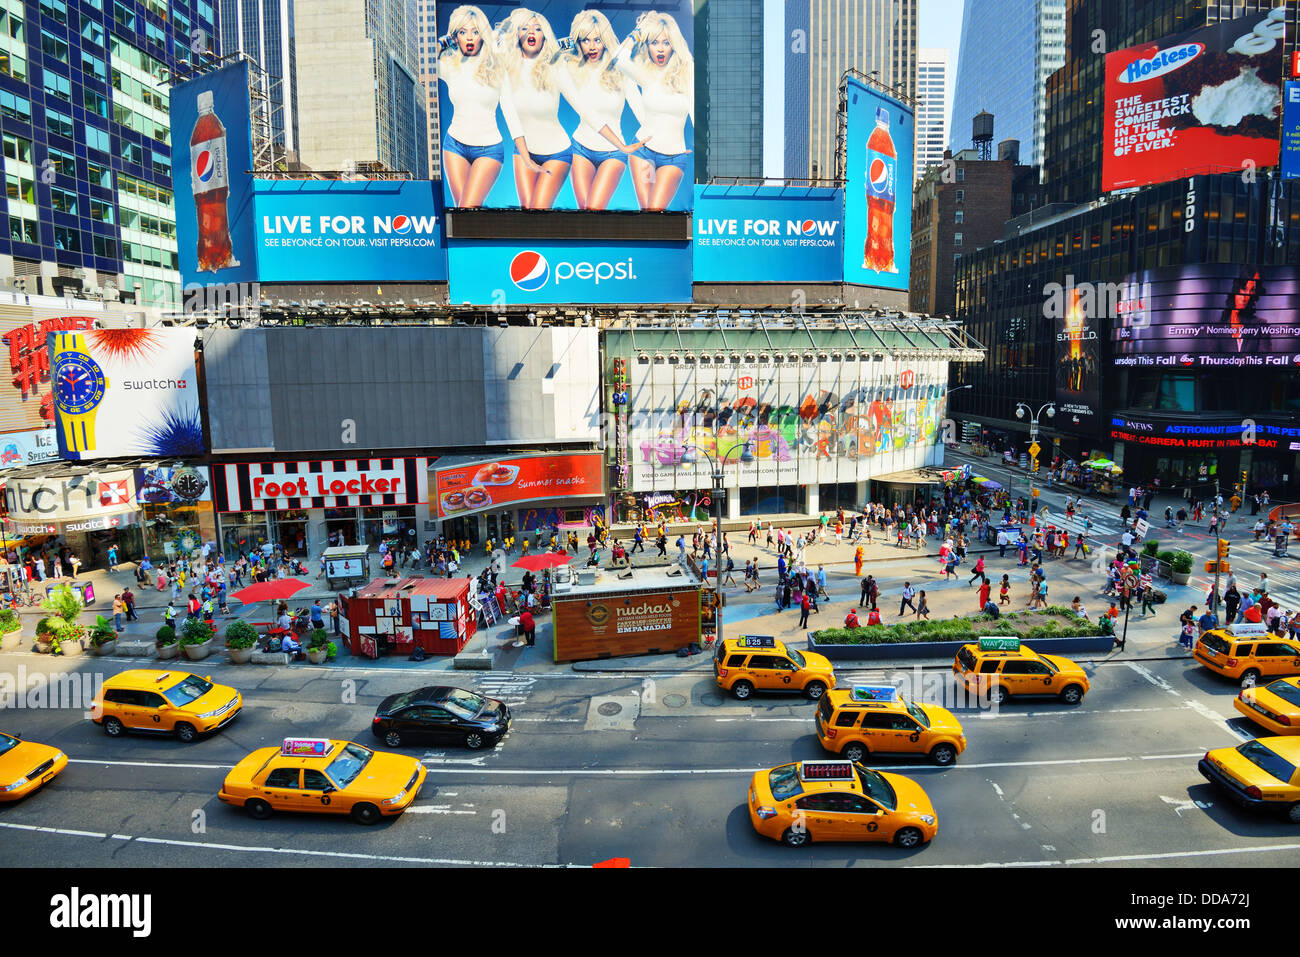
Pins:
<point x="512" y="690"/>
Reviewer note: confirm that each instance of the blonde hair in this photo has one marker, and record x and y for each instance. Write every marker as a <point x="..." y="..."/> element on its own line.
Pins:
<point x="585" y="24"/>
<point x="489" y="66"/>
<point x="514" y="54"/>
<point x="679" y="74"/>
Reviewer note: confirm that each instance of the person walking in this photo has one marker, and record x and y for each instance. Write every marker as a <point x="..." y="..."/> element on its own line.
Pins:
<point x="119" y="609"/>
<point x="1003" y="541"/>
<point x="731" y="566"/>
<point x="821" y="582"/>
<point x="978" y="572"/>
<point x="805" y="605"/>
<point x="857" y="562"/>
<point x="1146" y="593"/>
<point x="528" y="627"/>
<point x="865" y="591"/>
<point x="128" y="599"/>
<point x="112" y="557"/>
<point x="908" y="593"/>
<point x="1004" y="591"/>
<point x="984" y="590"/>
<point x="922" y="607"/>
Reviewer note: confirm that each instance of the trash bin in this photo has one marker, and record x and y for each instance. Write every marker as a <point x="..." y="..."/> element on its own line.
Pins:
<point x="82" y="589"/>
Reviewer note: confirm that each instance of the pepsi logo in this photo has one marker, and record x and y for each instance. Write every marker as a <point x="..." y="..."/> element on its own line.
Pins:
<point x="205" y="166"/>
<point x="808" y="226"/>
<point x="879" y="172"/>
<point x="401" y="224"/>
<point x="529" y="270"/>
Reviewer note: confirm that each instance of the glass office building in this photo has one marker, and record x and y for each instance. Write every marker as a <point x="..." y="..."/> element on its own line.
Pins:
<point x="87" y="142"/>
<point x="263" y="31"/>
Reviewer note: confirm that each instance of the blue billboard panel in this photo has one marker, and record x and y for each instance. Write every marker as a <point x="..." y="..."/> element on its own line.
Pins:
<point x="526" y="271"/>
<point x="567" y="105"/>
<point x="768" y="234"/>
<point x="1291" y="130"/>
<point x="333" y="231"/>
<point x="212" y="179"/>
<point x="878" y="189"/>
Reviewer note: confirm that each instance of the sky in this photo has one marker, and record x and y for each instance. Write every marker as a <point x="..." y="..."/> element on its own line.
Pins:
<point x="939" y="25"/>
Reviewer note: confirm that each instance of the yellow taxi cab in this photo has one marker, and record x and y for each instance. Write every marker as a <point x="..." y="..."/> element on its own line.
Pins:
<point x="26" y="766"/>
<point x="867" y="719"/>
<point x="761" y="663"/>
<point x="1261" y="774"/>
<point x="1003" y="668"/>
<point x="1247" y="652"/>
<point x="167" y="702"/>
<point x="1275" y="706"/>
<point x="839" y="801"/>
<point x="325" y="776"/>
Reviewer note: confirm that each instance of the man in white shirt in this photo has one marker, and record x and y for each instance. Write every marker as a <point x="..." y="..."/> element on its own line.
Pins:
<point x="908" y="593"/>
<point x="1003" y="542"/>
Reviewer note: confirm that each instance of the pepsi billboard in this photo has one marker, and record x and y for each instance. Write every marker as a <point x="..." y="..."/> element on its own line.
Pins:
<point x="567" y="105"/>
<point x="768" y="234"/>
<point x="878" y="189"/>
<point x="335" y="231"/>
<point x="523" y="272"/>
<point x="214" y="189"/>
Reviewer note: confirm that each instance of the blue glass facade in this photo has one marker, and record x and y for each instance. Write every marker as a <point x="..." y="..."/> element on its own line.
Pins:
<point x="87" y="144"/>
<point x="263" y="30"/>
<point x="997" y="77"/>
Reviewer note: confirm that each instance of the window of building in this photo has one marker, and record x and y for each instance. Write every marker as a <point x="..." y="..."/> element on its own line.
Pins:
<point x="67" y="239"/>
<point x="961" y="195"/>
<point x="63" y="201"/>
<point x="94" y="65"/>
<point x="56" y="10"/>
<point x="99" y="175"/>
<point x="17" y="148"/>
<point x="105" y="246"/>
<point x="57" y="85"/>
<point x="94" y="102"/>
<point x="92" y="31"/>
<point x="101" y="211"/>
<point x="961" y="174"/>
<point x="154" y="34"/>
<point x="16" y="107"/>
<point x="959" y="216"/>
<point x="956" y="239"/>
<point x="57" y="122"/>
<point x="64" y="163"/>
<point x="24" y="230"/>
<point x="54" y="47"/>
<point x="20" y="188"/>
<point x="97" y="139"/>
<point x="123" y="17"/>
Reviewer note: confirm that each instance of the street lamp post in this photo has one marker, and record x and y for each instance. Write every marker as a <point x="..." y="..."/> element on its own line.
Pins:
<point x="718" y="488"/>
<point x="1021" y="409"/>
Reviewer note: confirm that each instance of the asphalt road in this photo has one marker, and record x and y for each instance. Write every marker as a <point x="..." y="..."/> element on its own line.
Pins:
<point x="653" y="768"/>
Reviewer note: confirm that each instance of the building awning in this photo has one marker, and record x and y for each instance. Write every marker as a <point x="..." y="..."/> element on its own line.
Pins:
<point x="910" y="477"/>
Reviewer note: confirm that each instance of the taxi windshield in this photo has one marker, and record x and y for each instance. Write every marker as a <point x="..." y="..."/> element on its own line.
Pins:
<point x="1050" y="666"/>
<point x="1268" y="761"/>
<point x="344" y="769"/>
<point x="1286" y="691"/>
<point x="784" y="782"/>
<point x="7" y="743"/>
<point x="877" y="788"/>
<point x="463" y="704"/>
<point x="798" y="659"/>
<point x="191" y="689"/>
<point x="917" y="712"/>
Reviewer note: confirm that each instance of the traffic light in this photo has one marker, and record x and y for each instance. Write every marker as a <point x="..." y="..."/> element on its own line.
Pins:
<point x="1223" y="548"/>
<point x="1243" y="478"/>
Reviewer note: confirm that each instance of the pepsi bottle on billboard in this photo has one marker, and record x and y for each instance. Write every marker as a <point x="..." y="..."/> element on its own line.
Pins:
<point x="882" y="160"/>
<point x="210" y="179"/>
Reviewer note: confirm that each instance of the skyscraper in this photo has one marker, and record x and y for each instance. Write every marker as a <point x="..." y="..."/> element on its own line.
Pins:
<point x="931" y="108"/>
<point x="359" y="95"/>
<point x="427" y="43"/>
<point x="1007" y="78"/>
<point x="263" y="31"/>
<point x="88" y="145"/>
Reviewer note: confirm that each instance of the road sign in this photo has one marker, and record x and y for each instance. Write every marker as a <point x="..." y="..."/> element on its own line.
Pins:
<point x="1141" y="529"/>
<point x="1034" y="449"/>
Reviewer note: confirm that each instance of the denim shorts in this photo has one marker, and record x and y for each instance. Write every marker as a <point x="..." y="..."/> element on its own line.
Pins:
<point x="596" y="157"/>
<point x="471" y="153"/>
<point x="663" y="159"/>
<point x="541" y="159"/>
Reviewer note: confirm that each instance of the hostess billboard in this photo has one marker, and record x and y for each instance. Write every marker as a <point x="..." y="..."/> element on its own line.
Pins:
<point x="1291" y="131"/>
<point x="214" y="191"/>
<point x="337" y="231"/>
<point x="523" y="272"/>
<point x="878" y="189"/>
<point x="1203" y="101"/>
<point x="768" y="234"/>
<point x="567" y="105"/>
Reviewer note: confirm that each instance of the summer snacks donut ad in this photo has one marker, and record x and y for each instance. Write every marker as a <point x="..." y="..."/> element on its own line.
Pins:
<point x="490" y="483"/>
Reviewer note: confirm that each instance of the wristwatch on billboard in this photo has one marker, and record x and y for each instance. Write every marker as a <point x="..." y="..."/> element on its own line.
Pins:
<point x="79" y="386"/>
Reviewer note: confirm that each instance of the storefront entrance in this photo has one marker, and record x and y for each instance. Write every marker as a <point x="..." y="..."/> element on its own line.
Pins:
<point x="291" y="531"/>
<point x="465" y="528"/>
<point x="340" y="526"/>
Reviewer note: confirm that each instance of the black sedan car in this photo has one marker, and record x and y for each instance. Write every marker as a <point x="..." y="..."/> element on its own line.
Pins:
<point x="441" y="715"/>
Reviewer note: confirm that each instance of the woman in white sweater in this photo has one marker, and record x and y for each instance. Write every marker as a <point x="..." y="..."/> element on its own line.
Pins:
<point x="471" y="71"/>
<point x="656" y="57"/>
<point x="534" y="82"/>
<point x="601" y="93"/>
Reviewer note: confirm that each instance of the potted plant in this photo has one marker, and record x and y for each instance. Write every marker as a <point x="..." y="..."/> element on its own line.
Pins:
<point x="58" y="632"/>
<point x="103" y="636"/>
<point x="1148" y="557"/>
<point x="166" y="641"/>
<point x="241" y="638"/>
<point x="318" y="646"/>
<point x="11" y="628"/>
<point x="1164" y="564"/>
<point x="331" y="651"/>
<point x="1181" y="566"/>
<point x="196" y="638"/>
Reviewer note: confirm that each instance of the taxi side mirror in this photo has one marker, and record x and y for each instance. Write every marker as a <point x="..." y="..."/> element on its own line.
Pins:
<point x="329" y="789"/>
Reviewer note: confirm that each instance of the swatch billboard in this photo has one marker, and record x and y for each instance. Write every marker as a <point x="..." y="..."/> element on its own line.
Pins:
<point x="878" y="189"/>
<point x="1209" y="316"/>
<point x="768" y="234"/>
<point x="1203" y="101"/>
<point x="523" y="272"/>
<point x="336" y="231"/>
<point x="567" y="105"/>
<point x="214" y="190"/>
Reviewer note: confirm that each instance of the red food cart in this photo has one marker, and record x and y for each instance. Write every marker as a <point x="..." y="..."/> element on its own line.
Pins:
<point x="392" y="617"/>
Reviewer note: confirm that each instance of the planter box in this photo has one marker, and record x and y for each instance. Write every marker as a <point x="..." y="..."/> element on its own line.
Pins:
<point x="1181" y="578"/>
<point x="317" y="656"/>
<point x="72" y="649"/>
<point x="241" y="656"/>
<point x="1147" y="562"/>
<point x="136" y="648"/>
<point x="198" y="652"/>
<point x="168" y="651"/>
<point x="41" y="647"/>
<point x="1164" y="570"/>
<point x="106" y="647"/>
<point x="11" y="640"/>
<point x="1098" y="644"/>
<point x="269" y="658"/>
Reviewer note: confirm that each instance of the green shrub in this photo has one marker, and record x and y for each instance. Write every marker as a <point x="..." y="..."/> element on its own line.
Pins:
<point x="1151" y="547"/>
<point x="1182" y="562"/>
<point x="195" y="631"/>
<point x="1166" y="556"/>
<point x="317" y="639"/>
<point x="166" y="635"/>
<point x="240" y="634"/>
<point x="9" y="621"/>
<point x="102" y="631"/>
<point x="960" y="629"/>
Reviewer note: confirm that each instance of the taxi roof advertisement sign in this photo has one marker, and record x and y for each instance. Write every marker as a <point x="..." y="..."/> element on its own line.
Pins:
<point x="878" y="189"/>
<point x="1203" y="101"/>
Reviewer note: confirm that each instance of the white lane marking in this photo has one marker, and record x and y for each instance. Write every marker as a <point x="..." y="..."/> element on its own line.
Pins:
<point x="55" y="830"/>
<point x="548" y="720"/>
<point x="152" y="764"/>
<point x="996" y="788"/>
<point x="1064" y="712"/>
<point x="1168" y="757"/>
<point x="1185" y="804"/>
<point x="1154" y="679"/>
<point x="1205" y="711"/>
<point x="1120" y="858"/>
<point x="440" y="809"/>
<point x="731" y="720"/>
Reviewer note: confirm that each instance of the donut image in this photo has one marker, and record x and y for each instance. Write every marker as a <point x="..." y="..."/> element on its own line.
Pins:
<point x="496" y="474"/>
<point x="453" y="501"/>
<point x="476" y="498"/>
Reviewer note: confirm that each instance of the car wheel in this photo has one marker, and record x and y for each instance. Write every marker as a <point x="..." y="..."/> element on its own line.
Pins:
<point x="365" y="814"/>
<point x="742" y="690"/>
<point x="814" y="690"/>
<point x="1293" y="813"/>
<point x="1249" y="677"/>
<point x="113" y="728"/>
<point x="795" y="837"/>
<point x="1000" y="695"/>
<point x="185" y="732"/>
<point x="474" y="741"/>
<point x="1072" y="694"/>
<point x="909" y="837"/>
<point x="393" y="739"/>
<point x="943" y="755"/>
<point x="855" y="752"/>
<point x="258" y="809"/>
